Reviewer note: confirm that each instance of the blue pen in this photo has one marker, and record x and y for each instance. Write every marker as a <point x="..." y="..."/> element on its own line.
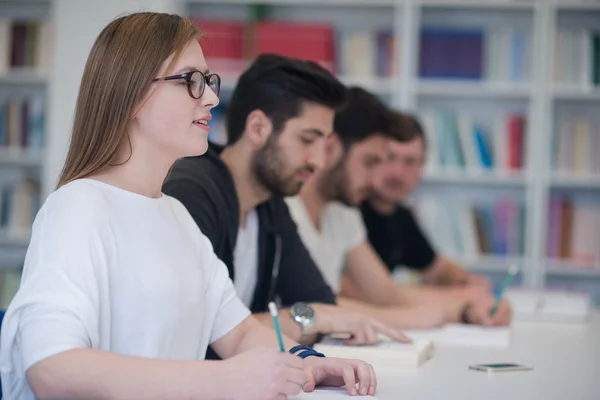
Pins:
<point x="512" y="272"/>
<point x="274" y="314"/>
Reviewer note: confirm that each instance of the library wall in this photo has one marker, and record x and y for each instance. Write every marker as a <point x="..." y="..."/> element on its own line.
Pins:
<point x="508" y="92"/>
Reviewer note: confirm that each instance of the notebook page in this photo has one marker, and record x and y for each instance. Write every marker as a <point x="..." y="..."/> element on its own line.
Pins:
<point x="328" y="393"/>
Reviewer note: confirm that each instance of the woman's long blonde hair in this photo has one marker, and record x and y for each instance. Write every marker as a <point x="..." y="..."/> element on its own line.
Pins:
<point x="126" y="56"/>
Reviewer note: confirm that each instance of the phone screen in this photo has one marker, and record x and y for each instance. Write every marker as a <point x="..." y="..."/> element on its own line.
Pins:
<point x="500" y="365"/>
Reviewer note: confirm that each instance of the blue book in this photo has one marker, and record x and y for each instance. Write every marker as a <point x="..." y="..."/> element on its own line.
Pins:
<point x="483" y="151"/>
<point x="451" y="53"/>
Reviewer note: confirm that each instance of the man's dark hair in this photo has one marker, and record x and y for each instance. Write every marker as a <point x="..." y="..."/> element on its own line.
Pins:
<point x="279" y="86"/>
<point x="364" y="115"/>
<point x="415" y="128"/>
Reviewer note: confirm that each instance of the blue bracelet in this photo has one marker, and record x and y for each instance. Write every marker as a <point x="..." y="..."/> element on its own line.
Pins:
<point x="308" y="351"/>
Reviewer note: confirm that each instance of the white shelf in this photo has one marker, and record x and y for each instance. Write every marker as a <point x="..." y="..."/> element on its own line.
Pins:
<point x="575" y="181"/>
<point x="374" y="84"/>
<point x="471" y="4"/>
<point x="491" y="263"/>
<point x="341" y="3"/>
<point x="23" y="76"/>
<point x="472" y="89"/>
<point x="13" y="239"/>
<point x="578" y="5"/>
<point x="21" y="157"/>
<point x="475" y="178"/>
<point x="571" y="269"/>
<point x="572" y="92"/>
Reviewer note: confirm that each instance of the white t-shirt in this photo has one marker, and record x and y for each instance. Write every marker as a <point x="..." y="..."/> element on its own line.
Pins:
<point x="245" y="258"/>
<point x="341" y="230"/>
<point x="116" y="271"/>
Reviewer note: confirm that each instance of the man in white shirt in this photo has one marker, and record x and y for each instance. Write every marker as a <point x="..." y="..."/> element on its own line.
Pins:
<point x="333" y="231"/>
<point x="278" y="117"/>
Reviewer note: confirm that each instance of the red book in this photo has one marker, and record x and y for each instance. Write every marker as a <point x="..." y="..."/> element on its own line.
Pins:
<point x="313" y="42"/>
<point x="221" y="39"/>
<point x="516" y="133"/>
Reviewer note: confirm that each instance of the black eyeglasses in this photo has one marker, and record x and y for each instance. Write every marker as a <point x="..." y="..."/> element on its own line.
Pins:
<point x="196" y="82"/>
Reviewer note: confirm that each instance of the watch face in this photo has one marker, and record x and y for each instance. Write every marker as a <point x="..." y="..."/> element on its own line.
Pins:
<point x="303" y="310"/>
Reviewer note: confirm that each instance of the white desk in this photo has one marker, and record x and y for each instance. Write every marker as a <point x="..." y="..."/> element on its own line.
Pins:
<point x="566" y="361"/>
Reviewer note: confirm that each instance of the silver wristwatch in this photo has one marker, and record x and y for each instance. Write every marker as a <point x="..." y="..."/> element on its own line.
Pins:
<point x="304" y="315"/>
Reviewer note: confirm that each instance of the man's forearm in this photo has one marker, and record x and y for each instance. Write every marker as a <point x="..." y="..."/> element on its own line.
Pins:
<point x="445" y="272"/>
<point x="289" y="327"/>
<point x="410" y="316"/>
<point x="88" y="373"/>
<point x="261" y="332"/>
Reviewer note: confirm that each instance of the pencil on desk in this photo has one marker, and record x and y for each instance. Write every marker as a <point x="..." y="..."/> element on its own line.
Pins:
<point x="510" y="275"/>
<point x="274" y="314"/>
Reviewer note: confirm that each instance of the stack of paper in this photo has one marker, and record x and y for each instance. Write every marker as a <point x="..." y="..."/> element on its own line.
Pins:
<point x="328" y="393"/>
<point x="459" y="335"/>
<point x="387" y="353"/>
<point x="548" y="305"/>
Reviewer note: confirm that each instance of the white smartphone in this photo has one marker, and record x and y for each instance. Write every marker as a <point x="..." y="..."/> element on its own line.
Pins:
<point x="501" y="367"/>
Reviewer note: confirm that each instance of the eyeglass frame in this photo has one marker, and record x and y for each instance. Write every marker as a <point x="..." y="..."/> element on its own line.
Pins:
<point x="187" y="76"/>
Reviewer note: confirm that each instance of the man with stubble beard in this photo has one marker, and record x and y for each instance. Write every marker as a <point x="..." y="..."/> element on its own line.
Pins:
<point x="278" y="119"/>
<point x="333" y="231"/>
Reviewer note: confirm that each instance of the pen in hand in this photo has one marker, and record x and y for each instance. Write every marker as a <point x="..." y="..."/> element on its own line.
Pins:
<point x="512" y="272"/>
<point x="274" y="314"/>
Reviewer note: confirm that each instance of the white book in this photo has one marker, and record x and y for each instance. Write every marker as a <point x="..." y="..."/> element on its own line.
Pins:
<point x="466" y="134"/>
<point x="328" y="393"/>
<point x="431" y="155"/>
<point x="549" y="305"/>
<point x="500" y="140"/>
<point x="386" y="353"/>
<point x="461" y="335"/>
<point x="5" y="45"/>
<point x="45" y="46"/>
<point x="585" y="54"/>
<point x="468" y="233"/>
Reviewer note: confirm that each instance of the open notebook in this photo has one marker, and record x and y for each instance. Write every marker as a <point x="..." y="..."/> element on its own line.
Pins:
<point x="387" y="353"/>
<point x="459" y="335"/>
<point x="549" y="305"/>
<point x="329" y="393"/>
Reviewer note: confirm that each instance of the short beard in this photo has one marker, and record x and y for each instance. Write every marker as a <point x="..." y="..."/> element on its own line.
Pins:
<point x="335" y="183"/>
<point x="266" y="166"/>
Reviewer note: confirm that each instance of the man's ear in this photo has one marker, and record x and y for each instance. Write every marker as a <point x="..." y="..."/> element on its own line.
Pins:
<point x="334" y="149"/>
<point x="258" y="127"/>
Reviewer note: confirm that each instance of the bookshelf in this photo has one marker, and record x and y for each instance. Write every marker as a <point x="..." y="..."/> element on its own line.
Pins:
<point x="513" y="78"/>
<point x="25" y="57"/>
<point x="526" y="87"/>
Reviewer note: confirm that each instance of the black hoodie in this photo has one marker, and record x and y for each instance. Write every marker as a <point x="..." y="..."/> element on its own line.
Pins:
<point x="285" y="269"/>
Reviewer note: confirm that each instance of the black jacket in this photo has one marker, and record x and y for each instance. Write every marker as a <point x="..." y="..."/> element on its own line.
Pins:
<point x="205" y="187"/>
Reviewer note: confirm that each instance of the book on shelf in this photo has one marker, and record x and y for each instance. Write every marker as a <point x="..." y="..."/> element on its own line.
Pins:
<point x="25" y="44"/>
<point x="470" y="231"/>
<point x="229" y="46"/>
<point x="577" y="57"/>
<point x="494" y="54"/>
<point x="10" y="280"/>
<point x="573" y="232"/>
<point x="19" y="204"/>
<point x="386" y="353"/>
<point x="22" y="122"/>
<point x="577" y="145"/>
<point x="458" y="142"/>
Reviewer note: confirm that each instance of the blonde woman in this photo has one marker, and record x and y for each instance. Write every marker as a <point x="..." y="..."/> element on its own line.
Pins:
<point x="121" y="293"/>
